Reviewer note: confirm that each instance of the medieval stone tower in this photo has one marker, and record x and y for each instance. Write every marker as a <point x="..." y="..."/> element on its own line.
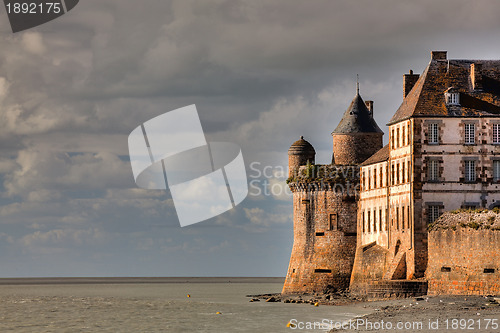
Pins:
<point x="325" y="203"/>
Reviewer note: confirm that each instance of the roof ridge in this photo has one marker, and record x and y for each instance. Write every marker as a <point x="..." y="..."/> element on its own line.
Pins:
<point x="411" y="100"/>
<point x="357" y="119"/>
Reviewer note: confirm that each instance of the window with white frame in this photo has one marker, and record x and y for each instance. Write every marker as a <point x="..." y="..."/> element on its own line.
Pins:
<point x="496" y="133"/>
<point x="452" y="98"/>
<point x="432" y="213"/>
<point x="470" y="171"/>
<point x="433" y="130"/>
<point x="496" y="170"/>
<point x="433" y="170"/>
<point x="469" y="133"/>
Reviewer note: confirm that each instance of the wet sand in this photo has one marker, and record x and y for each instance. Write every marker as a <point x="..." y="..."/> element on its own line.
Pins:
<point x="430" y="314"/>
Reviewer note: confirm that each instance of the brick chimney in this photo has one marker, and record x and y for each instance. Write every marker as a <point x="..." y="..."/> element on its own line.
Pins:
<point x="409" y="81"/>
<point x="476" y="76"/>
<point x="369" y="106"/>
<point x="438" y="55"/>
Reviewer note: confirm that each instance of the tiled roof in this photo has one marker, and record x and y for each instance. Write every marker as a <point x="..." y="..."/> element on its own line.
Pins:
<point x="379" y="156"/>
<point x="427" y="96"/>
<point x="357" y="119"/>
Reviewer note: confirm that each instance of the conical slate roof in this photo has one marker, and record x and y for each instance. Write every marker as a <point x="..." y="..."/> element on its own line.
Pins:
<point x="357" y="119"/>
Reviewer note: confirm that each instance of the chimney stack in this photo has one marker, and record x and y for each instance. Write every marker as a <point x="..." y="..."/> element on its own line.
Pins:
<point x="476" y="76"/>
<point x="438" y="55"/>
<point x="409" y="81"/>
<point x="369" y="106"/>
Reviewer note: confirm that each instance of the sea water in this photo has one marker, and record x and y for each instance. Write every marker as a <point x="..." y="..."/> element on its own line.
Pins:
<point x="157" y="307"/>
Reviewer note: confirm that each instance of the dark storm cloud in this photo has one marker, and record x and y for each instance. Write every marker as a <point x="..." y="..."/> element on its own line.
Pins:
<point x="261" y="73"/>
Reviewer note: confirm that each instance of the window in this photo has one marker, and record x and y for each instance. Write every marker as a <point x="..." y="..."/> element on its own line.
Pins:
<point x="397" y="138"/>
<point x="470" y="171"/>
<point x="469" y="134"/>
<point x="369" y="178"/>
<point x="496" y="133"/>
<point x="393" y="175"/>
<point x="409" y="135"/>
<point x="496" y="170"/>
<point x="397" y="218"/>
<point x="397" y="173"/>
<point x="380" y="177"/>
<point x="452" y="98"/>
<point x="433" y="134"/>
<point x="403" y="139"/>
<point x="433" y="170"/>
<point x="333" y="222"/>
<point x="408" y="216"/>
<point x="403" y="176"/>
<point x="403" y="218"/>
<point x="433" y="213"/>
<point x="380" y="219"/>
<point x="369" y="221"/>
<point x="375" y="221"/>
<point x="364" y="225"/>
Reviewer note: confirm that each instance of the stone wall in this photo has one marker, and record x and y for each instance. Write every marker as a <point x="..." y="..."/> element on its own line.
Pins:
<point x="324" y="239"/>
<point x="355" y="148"/>
<point x="464" y="261"/>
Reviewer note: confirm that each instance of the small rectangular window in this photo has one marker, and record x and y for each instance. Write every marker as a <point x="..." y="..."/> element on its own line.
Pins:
<point x="321" y="270"/>
<point x="380" y="219"/>
<point x="496" y="133"/>
<point x="364" y="224"/>
<point x="470" y="171"/>
<point x="321" y="233"/>
<point x="445" y="269"/>
<point x="380" y="177"/>
<point x="393" y="178"/>
<point x="433" y="170"/>
<point x="397" y="173"/>
<point x="496" y="170"/>
<point x="489" y="270"/>
<point x="433" y="213"/>
<point x="333" y="222"/>
<point x="369" y="221"/>
<point x="433" y="136"/>
<point x="397" y="218"/>
<point x="469" y="134"/>
<point x="409" y="217"/>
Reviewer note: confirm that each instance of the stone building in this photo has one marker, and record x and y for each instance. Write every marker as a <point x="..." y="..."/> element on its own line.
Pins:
<point x="443" y="154"/>
<point x="325" y="203"/>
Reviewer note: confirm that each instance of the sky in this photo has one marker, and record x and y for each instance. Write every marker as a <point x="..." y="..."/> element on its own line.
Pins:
<point x="261" y="73"/>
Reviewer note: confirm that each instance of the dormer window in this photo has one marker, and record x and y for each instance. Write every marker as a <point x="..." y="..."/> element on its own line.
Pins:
<point x="452" y="96"/>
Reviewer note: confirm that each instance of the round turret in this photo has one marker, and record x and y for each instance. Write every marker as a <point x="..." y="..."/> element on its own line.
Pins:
<point x="300" y="153"/>
<point x="357" y="136"/>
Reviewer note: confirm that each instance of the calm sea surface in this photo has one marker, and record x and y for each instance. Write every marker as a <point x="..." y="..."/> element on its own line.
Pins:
<point x="155" y="307"/>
